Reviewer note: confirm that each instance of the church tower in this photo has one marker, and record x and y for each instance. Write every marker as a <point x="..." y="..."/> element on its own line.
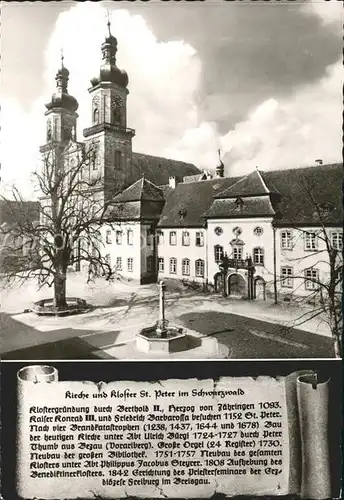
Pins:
<point x="61" y="114"/>
<point x="108" y="133"/>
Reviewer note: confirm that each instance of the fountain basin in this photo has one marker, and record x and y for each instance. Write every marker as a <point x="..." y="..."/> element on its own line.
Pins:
<point x="148" y="340"/>
<point x="45" y="307"/>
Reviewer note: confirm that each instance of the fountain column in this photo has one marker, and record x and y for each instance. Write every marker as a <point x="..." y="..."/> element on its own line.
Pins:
<point x="161" y="325"/>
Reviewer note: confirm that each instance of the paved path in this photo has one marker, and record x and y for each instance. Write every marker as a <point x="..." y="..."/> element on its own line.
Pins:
<point x="95" y="335"/>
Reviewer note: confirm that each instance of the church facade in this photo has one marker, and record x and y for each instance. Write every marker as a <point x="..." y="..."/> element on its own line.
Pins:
<point x="255" y="235"/>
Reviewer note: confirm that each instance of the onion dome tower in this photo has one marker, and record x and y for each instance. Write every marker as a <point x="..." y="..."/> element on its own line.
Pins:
<point x="109" y="72"/>
<point x="108" y="132"/>
<point x="61" y="110"/>
<point x="220" y="168"/>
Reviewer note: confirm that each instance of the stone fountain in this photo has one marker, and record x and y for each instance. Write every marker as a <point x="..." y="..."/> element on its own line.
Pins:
<point x="161" y="337"/>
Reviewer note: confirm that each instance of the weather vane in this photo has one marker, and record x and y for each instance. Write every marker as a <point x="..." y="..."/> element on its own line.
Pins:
<point x="108" y="21"/>
<point x="62" y="56"/>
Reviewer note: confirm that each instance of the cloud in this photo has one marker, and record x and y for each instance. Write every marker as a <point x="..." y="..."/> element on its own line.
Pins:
<point x="163" y="79"/>
<point x="277" y="134"/>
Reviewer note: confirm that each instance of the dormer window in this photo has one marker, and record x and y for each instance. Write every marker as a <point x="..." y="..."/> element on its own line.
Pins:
<point x="239" y="203"/>
<point x="182" y="214"/>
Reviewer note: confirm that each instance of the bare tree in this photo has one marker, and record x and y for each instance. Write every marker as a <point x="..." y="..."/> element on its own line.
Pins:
<point x="323" y="287"/>
<point x="67" y="231"/>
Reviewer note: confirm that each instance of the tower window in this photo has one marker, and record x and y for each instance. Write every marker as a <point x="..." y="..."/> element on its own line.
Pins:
<point x="116" y="115"/>
<point x="118" y="159"/>
<point x="95" y="116"/>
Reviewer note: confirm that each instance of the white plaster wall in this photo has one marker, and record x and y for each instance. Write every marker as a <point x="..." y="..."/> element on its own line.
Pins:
<point x="125" y="251"/>
<point x="251" y="240"/>
<point x="180" y="252"/>
<point x="300" y="259"/>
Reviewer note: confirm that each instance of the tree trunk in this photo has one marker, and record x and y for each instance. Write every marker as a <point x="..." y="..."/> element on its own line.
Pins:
<point x="60" y="289"/>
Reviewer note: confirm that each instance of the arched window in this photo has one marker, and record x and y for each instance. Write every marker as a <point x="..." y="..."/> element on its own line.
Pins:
<point x="118" y="160"/>
<point x="49" y="133"/>
<point x="258" y="256"/>
<point x="95" y="116"/>
<point x="116" y="115"/>
<point x="186" y="267"/>
<point x="199" y="268"/>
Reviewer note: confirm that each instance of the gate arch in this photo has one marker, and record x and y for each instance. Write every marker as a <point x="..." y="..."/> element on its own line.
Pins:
<point x="259" y="288"/>
<point x="237" y="285"/>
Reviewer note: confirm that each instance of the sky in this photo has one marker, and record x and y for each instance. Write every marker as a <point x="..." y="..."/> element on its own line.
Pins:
<point x="262" y="81"/>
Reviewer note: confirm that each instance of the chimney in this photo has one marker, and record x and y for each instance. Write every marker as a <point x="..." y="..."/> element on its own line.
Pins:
<point x="172" y="181"/>
<point x="319" y="161"/>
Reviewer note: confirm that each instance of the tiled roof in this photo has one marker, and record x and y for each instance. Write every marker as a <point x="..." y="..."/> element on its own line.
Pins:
<point x="252" y="184"/>
<point x="159" y="170"/>
<point x="141" y="190"/>
<point x="253" y="206"/>
<point x="296" y="186"/>
<point x="186" y="203"/>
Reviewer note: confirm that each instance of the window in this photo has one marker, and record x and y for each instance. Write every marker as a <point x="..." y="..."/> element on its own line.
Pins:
<point x="287" y="274"/>
<point x="186" y="267"/>
<point x="286" y="240"/>
<point x="237" y="252"/>
<point x="218" y="253"/>
<point x="160" y="237"/>
<point x="258" y="256"/>
<point x="199" y="268"/>
<point x="95" y="116"/>
<point x="118" y="237"/>
<point x="258" y="231"/>
<point x="185" y="238"/>
<point x="118" y="159"/>
<point x="116" y="115"/>
<point x="130" y="236"/>
<point x="173" y="265"/>
<point x="173" y="238"/>
<point x="199" y="239"/>
<point x="311" y="279"/>
<point x="108" y="236"/>
<point x="150" y="235"/>
<point x="94" y="159"/>
<point x="310" y="239"/>
<point x="150" y="264"/>
<point x="108" y="259"/>
<point x="130" y="264"/>
<point x="161" y="264"/>
<point x="337" y="240"/>
<point x="119" y="263"/>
